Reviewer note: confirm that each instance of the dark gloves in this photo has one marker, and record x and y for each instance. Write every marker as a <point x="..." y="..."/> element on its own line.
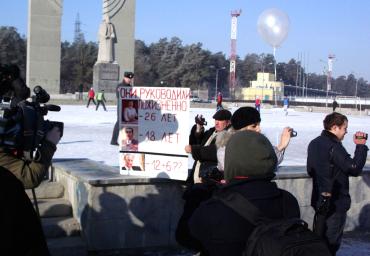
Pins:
<point x="211" y="174"/>
<point x="323" y="205"/>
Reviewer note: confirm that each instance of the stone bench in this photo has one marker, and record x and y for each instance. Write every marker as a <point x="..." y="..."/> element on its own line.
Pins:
<point x="117" y="211"/>
<point x="127" y="212"/>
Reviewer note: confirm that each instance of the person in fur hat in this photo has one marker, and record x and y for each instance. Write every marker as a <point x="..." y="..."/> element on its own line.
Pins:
<point x="248" y="118"/>
<point x="250" y="163"/>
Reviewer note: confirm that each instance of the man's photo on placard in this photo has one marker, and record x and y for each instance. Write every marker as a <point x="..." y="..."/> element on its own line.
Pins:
<point x="128" y="138"/>
<point x="131" y="162"/>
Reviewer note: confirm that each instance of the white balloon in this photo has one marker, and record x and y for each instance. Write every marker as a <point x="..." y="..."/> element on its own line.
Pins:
<point x="273" y="26"/>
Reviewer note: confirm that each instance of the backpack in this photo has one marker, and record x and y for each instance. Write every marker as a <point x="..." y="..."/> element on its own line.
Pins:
<point x="282" y="237"/>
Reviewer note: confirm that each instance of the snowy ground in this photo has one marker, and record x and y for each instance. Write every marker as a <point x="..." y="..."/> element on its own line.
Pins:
<point x="87" y="134"/>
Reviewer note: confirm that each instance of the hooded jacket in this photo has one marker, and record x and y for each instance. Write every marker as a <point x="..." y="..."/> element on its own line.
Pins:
<point x="222" y="231"/>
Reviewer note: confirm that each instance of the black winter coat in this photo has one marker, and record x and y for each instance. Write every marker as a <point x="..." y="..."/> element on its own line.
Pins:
<point x="21" y="229"/>
<point x="207" y="155"/>
<point x="330" y="166"/>
<point x="223" y="232"/>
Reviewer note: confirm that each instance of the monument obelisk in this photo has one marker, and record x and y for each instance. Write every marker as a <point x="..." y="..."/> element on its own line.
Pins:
<point x="106" y="68"/>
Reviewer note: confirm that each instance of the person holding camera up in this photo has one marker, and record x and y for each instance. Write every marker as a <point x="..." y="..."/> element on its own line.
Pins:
<point x="23" y="234"/>
<point x="330" y="166"/>
<point x="249" y="118"/>
<point x="202" y="144"/>
<point x="31" y="172"/>
<point x="204" y="176"/>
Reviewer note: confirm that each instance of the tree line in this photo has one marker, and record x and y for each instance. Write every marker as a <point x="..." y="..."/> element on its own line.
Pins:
<point x="170" y="63"/>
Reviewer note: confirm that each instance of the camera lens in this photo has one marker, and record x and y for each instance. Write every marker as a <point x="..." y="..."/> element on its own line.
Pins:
<point x="293" y="133"/>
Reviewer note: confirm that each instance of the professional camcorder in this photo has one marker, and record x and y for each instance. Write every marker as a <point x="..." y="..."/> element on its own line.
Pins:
<point x="22" y="124"/>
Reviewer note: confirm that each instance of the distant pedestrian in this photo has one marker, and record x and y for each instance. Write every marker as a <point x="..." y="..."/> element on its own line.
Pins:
<point x="286" y="105"/>
<point x="219" y="101"/>
<point x="91" y="97"/>
<point x="257" y="104"/>
<point x="335" y="104"/>
<point x="100" y="100"/>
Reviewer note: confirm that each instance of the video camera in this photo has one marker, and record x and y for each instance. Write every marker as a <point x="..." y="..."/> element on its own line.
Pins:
<point x="22" y="124"/>
<point x="361" y="137"/>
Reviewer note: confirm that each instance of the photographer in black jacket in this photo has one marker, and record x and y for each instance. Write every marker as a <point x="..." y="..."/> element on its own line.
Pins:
<point x="330" y="166"/>
<point x="202" y="144"/>
<point x="204" y="176"/>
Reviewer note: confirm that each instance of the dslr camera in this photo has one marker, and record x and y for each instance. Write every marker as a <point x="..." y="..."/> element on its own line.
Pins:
<point x="199" y="119"/>
<point x="293" y="133"/>
<point x="22" y="123"/>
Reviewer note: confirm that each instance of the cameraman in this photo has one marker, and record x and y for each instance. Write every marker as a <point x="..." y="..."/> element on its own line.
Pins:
<point x="21" y="226"/>
<point x="330" y="166"/>
<point x="31" y="172"/>
<point x="12" y="85"/>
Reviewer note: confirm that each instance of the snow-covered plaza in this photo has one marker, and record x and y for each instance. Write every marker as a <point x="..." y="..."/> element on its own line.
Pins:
<point x="87" y="134"/>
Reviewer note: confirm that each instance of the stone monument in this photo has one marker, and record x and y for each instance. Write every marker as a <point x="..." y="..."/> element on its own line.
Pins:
<point x="106" y="68"/>
<point x="43" y="44"/>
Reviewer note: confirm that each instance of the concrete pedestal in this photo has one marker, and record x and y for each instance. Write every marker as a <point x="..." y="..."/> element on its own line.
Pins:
<point x="106" y="77"/>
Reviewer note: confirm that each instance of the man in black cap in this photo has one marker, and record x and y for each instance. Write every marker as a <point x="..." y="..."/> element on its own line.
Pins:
<point x="127" y="80"/>
<point x="203" y="149"/>
<point x="202" y="144"/>
<point x="250" y="163"/>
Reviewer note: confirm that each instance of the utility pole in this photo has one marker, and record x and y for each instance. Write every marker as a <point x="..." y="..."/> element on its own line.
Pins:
<point x="234" y="28"/>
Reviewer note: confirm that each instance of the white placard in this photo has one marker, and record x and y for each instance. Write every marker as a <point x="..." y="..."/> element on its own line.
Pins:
<point x="154" y="131"/>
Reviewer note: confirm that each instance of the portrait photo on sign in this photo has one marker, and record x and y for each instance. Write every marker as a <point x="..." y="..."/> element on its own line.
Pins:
<point x="131" y="162"/>
<point x="128" y="138"/>
<point x="129" y="111"/>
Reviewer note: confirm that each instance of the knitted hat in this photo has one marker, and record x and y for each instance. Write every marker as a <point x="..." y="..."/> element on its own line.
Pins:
<point x="250" y="154"/>
<point x="222" y="114"/>
<point x="245" y="116"/>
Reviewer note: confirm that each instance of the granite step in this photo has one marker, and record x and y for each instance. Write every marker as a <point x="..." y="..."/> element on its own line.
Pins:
<point x="60" y="227"/>
<point x="54" y="208"/>
<point x="47" y="190"/>
<point x="71" y="246"/>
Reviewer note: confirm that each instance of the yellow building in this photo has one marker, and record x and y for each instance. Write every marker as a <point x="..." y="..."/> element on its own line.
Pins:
<point x="265" y="87"/>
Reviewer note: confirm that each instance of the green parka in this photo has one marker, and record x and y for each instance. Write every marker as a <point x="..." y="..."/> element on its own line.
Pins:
<point x="30" y="173"/>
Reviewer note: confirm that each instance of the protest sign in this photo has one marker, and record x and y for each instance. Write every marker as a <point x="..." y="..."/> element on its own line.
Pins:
<point x="154" y="131"/>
